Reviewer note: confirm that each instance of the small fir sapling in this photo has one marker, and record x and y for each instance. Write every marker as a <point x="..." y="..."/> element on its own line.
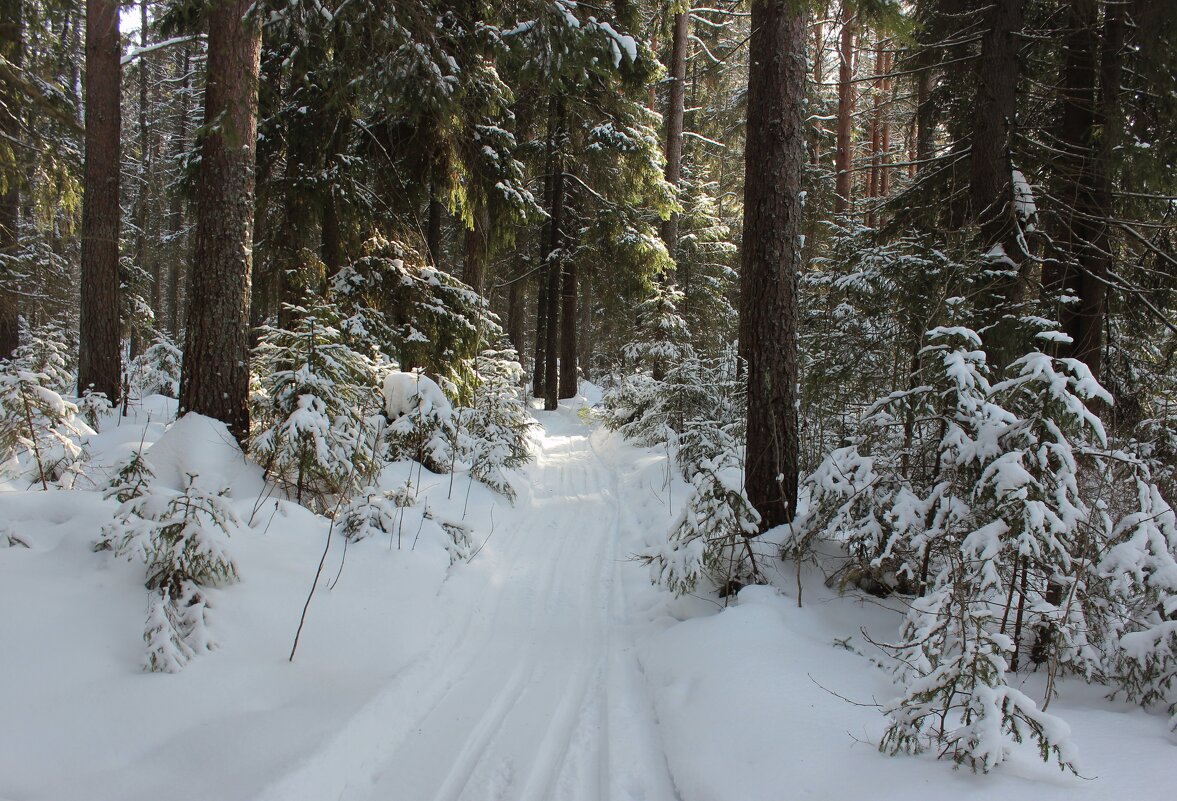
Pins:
<point x="711" y="537"/>
<point x="998" y="508"/>
<point x="49" y="353"/>
<point x="421" y="421"/>
<point x="316" y="407"/>
<point x="156" y="371"/>
<point x="182" y="539"/>
<point x="40" y="435"/>
<point x="493" y="433"/>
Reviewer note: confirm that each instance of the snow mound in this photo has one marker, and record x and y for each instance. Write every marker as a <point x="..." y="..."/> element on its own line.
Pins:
<point x="200" y="446"/>
<point x="405" y="393"/>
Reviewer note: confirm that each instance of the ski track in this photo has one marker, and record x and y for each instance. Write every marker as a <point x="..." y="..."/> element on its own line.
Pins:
<point x="539" y="696"/>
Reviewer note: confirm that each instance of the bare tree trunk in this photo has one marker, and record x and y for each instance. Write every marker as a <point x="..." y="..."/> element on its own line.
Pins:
<point x="99" y="357"/>
<point x="674" y="119"/>
<point x="176" y="209"/>
<point x="1088" y="138"/>
<point x="145" y="255"/>
<point x="991" y="167"/>
<point x="476" y="249"/>
<point x="569" y="318"/>
<point x="555" y="259"/>
<point x="215" y="379"/>
<point x="874" y="177"/>
<point x="12" y="48"/>
<point x="515" y="316"/>
<point x="540" y="368"/>
<point x="843" y="157"/>
<point x="884" y="183"/>
<point x="818" y="76"/>
<point x="771" y="254"/>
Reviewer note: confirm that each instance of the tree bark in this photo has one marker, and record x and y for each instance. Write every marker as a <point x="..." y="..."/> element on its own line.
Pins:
<point x="555" y="258"/>
<point x="1088" y="139"/>
<point x="674" y="120"/>
<point x="99" y="357"/>
<point x="476" y="249"/>
<point x="843" y="156"/>
<point x="12" y="48"/>
<point x="176" y="208"/>
<point x="771" y="254"/>
<point x="569" y="319"/>
<point x="215" y="379"/>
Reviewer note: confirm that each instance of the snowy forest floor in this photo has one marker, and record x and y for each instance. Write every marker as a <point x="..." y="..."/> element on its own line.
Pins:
<point x="545" y="667"/>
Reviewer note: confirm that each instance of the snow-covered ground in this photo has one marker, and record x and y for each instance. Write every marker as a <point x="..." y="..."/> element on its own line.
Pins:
<point x="545" y="668"/>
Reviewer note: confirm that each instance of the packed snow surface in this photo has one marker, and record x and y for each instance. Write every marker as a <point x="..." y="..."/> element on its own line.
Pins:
<point x="544" y="668"/>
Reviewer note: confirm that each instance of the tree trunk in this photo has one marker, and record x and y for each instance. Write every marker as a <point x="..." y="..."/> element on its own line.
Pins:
<point x="555" y="259"/>
<point x="476" y="249"/>
<point x="994" y="118"/>
<point x="145" y="254"/>
<point x="843" y="157"/>
<point x="771" y="255"/>
<point x="515" y="317"/>
<point x="874" y="177"/>
<point x="176" y="209"/>
<point x="674" y="120"/>
<point x="539" y="372"/>
<point x="99" y="357"/>
<point x="990" y="183"/>
<point x="1088" y="138"/>
<point x="215" y="379"/>
<point x="568" y="324"/>
<point x="12" y="48"/>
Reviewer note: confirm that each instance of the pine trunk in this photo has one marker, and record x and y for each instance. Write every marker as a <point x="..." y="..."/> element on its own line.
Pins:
<point x="215" y="379"/>
<point x="176" y="209"/>
<point x="771" y="255"/>
<point x="843" y="156"/>
<point x="99" y="357"/>
<point x="674" y="120"/>
<point x="1089" y="137"/>
<point x="568" y="321"/>
<point x="555" y="259"/>
<point x="11" y="48"/>
<point x="476" y="249"/>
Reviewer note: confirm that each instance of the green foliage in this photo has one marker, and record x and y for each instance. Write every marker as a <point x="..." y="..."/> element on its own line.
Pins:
<point x="316" y="411"/>
<point x="40" y="435"/>
<point x="182" y="539"/>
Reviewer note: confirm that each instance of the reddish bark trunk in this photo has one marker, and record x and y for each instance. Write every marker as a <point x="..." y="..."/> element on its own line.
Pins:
<point x="99" y="357"/>
<point x="215" y="380"/>
<point x="771" y="254"/>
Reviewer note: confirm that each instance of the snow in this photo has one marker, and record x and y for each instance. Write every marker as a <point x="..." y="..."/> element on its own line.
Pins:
<point x="405" y="393"/>
<point x="544" y="666"/>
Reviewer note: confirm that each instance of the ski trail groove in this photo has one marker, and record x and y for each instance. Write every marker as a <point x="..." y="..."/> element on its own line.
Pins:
<point x="538" y="697"/>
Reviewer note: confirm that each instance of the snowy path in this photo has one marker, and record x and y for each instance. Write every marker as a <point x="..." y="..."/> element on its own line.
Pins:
<point x="538" y="694"/>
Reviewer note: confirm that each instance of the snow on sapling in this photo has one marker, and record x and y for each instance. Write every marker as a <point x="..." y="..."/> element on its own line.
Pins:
<point x="316" y="408"/>
<point x="156" y="371"/>
<point x="40" y="435"/>
<point x="421" y="419"/>
<point x="640" y="404"/>
<point x="711" y="537"/>
<point x="996" y="505"/>
<point x="182" y="539"/>
<point x="371" y="513"/>
<point x="957" y="698"/>
<point x="49" y="353"/>
<point x="1141" y="569"/>
<point x="492" y="434"/>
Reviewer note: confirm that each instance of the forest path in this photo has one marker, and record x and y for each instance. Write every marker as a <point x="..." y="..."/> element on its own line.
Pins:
<point x="540" y="696"/>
